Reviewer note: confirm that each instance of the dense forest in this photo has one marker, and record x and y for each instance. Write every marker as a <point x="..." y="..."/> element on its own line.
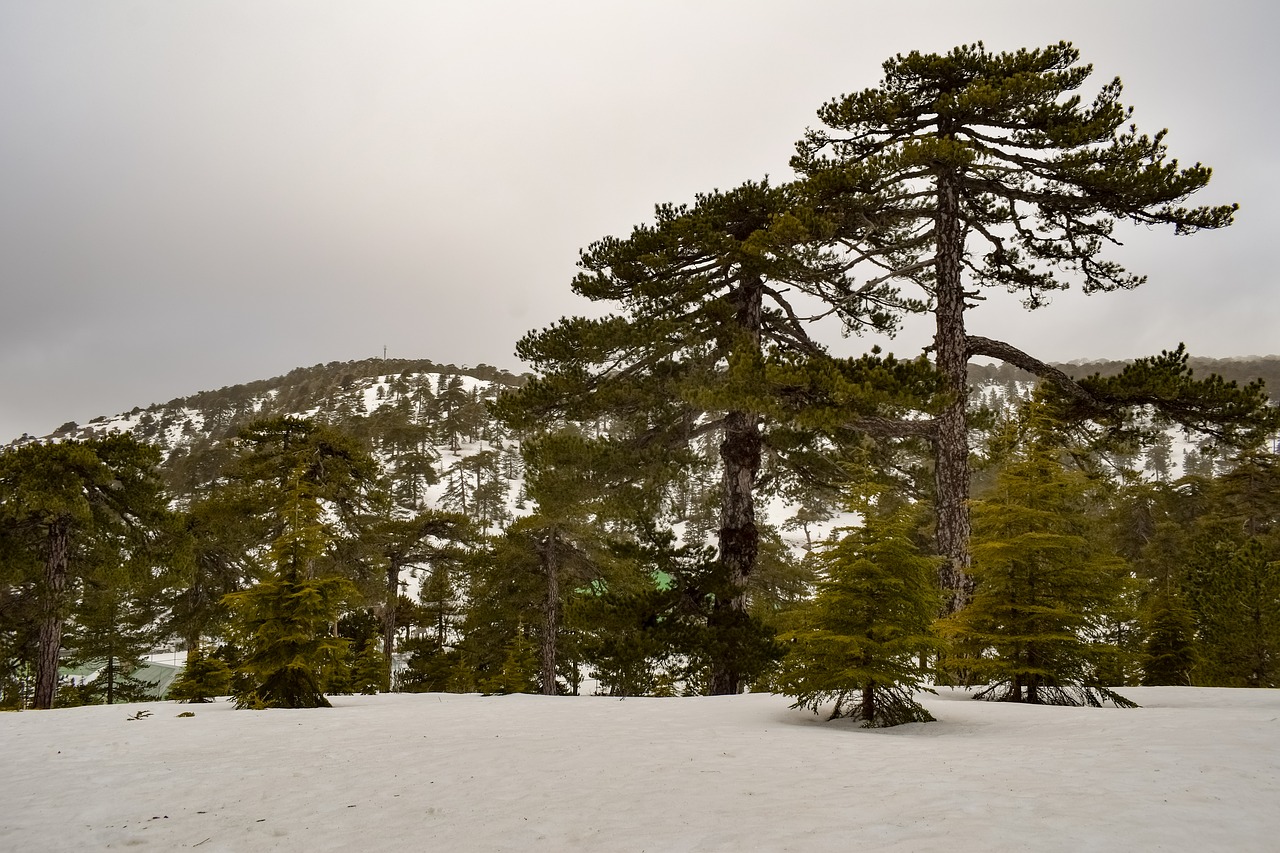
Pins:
<point x="689" y="493"/>
<point x="447" y="520"/>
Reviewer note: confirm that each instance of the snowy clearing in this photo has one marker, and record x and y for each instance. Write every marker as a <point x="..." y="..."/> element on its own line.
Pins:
<point x="1194" y="768"/>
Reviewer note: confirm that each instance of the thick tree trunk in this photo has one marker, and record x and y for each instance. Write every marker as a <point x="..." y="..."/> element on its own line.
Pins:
<point x="389" y="620"/>
<point x="739" y="539"/>
<point x="951" y="441"/>
<point x="550" y="614"/>
<point x="739" y="543"/>
<point x="49" y="641"/>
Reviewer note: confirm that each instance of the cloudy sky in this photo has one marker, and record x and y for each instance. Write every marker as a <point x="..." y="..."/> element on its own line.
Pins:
<point x="199" y="194"/>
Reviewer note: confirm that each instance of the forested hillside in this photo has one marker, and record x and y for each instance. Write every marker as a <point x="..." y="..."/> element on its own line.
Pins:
<point x="690" y="493"/>
<point x="471" y="597"/>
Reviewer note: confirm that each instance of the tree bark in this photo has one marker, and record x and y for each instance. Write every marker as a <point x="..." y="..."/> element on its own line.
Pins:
<point x="49" y="642"/>
<point x="739" y="538"/>
<point x="389" y="619"/>
<point x="951" y="440"/>
<point x="550" y="613"/>
<point x="739" y="545"/>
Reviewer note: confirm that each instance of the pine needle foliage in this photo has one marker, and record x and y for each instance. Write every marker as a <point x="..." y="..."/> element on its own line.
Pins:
<point x="1044" y="579"/>
<point x="204" y="678"/>
<point x="283" y="626"/>
<point x="975" y="169"/>
<point x="860" y="641"/>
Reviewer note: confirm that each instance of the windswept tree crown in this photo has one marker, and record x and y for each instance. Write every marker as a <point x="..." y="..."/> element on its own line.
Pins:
<point x="1040" y="177"/>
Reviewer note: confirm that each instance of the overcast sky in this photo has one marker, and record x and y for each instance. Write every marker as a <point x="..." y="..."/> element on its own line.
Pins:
<point x="200" y="194"/>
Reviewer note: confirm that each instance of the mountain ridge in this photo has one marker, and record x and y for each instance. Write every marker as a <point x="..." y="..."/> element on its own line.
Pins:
<point x="334" y="375"/>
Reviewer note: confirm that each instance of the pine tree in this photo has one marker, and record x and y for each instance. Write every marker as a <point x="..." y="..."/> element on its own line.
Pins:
<point x="1044" y="577"/>
<point x="203" y="679"/>
<point x="702" y="301"/>
<point x="313" y="486"/>
<point x="972" y="169"/>
<point x="62" y="504"/>
<point x="860" y="642"/>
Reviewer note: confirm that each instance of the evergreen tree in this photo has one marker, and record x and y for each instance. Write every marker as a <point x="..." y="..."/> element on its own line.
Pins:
<point x="1233" y="576"/>
<point x="283" y="624"/>
<point x="313" y="486"/>
<point x="1044" y="577"/>
<point x="431" y="539"/>
<point x="60" y="505"/>
<point x="452" y="398"/>
<point x="1170" y="654"/>
<point x="1154" y="524"/>
<point x="519" y="670"/>
<point x="973" y="169"/>
<point x="368" y="672"/>
<point x="203" y="679"/>
<point x="116" y="623"/>
<point x="702" y="296"/>
<point x="861" y="641"/>
<point x="221" y="553"/>
<point x="1235" y="590"/>
<point x="20" y="572"/>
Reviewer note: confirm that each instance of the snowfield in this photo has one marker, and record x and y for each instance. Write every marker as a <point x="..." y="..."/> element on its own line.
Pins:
<point x="1194" y="769"/>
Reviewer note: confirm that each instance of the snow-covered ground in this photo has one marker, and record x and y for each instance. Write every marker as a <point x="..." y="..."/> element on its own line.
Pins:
<point x="1194" y="769"/>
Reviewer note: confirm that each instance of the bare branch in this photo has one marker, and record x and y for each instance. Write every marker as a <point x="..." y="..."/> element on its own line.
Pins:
<point x="978" y="345"/>
<point x="880" y="427"/>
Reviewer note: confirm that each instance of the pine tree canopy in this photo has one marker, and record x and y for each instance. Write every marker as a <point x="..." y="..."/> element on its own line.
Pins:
<point x="1035" y="176"/>
<point x="971" y="170"/>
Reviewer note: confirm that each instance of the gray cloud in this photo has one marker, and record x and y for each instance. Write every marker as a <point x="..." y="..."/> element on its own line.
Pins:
<point x="195" y="195"/>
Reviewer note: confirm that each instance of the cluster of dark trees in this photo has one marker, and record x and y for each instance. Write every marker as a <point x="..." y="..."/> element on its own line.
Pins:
<point x="1015" y="549"/>
<point x="95" y="578"/>
<point x="960" y="172"/>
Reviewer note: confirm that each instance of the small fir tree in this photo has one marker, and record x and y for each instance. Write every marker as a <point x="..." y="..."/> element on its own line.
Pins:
<point x="1237" y="591"/>
<point x="1170" y="648"/>
<point x="859" y="643"/>
<point x="1044" y="579"/>
<point x="204" y="678"/>
<point x="368" y="676"/>
<point x="519" y="672"/>
<point x="284" y="630"/>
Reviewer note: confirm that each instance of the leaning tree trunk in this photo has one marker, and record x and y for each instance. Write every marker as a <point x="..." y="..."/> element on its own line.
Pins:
<point x="550" y="613"/>
<point x="49" y="642"/>
<point x="739" y="539"/>
<point x="951" y="442"/>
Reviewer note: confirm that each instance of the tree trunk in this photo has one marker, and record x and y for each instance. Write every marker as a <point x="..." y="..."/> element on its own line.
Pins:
<point x="111" y="678"/>
<point x="739" y="544"/>
<point x="951" y="443"/>
<point x="49" y="639"/>
<point x="389" y="620"/>
<point x="739" y="539"/>
<point x="550" y="614"/>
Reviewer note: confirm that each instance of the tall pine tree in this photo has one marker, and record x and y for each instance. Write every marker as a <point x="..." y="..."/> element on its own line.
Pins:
<point x="972" y="170"/>
<point x="702" y="296"/>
